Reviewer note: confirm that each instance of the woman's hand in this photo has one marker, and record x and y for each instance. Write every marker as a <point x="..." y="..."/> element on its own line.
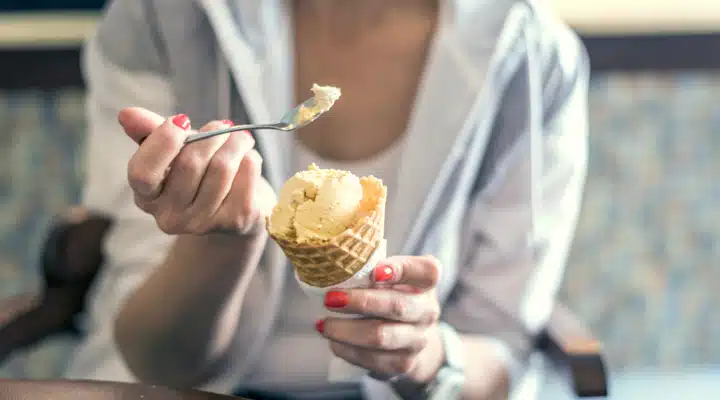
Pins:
<point x="204" y="187"/>
<point x="399" y="336"/>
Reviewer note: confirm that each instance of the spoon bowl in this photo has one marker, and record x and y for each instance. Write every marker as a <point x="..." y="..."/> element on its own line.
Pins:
<point x="302" y="115"/>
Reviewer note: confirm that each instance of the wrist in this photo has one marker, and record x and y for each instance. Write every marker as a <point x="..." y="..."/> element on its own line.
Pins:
<point x="429" y="362"/>
<point x="447" y="381"/>
<point x="431" y="358"/>
<point x="219" y="247"/>
<point x="233" y="238"/>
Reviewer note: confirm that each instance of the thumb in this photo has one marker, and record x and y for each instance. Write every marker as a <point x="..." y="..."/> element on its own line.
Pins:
<point x="139" y="123"/>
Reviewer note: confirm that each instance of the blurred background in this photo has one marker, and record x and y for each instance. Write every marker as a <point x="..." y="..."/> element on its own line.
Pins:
<point x="645" y="266"/>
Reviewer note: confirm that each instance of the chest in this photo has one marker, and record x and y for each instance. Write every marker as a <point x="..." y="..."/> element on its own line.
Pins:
<point x="379" y="70"/>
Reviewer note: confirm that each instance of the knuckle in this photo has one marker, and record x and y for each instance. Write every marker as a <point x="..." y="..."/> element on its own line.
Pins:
<point x="402" y="365"/>
<point x="398" y="308"/>
<point x="239" y="222"/>
<point x="247" y="206"/>
<point x="433" y="269"/>
<point x="433" y="315"/>
<point x="139" y="177"/>
<point x="222" y="164"/>
<point x="235" y="141"/>
<point x="142" y="204"/>
<point x="255" y="157"/>
<point x="366" y="302"/>
<point x="242" y="224"/>
<point x="189" y="161"/>
<point x="196" y="227"/>
<point x="419" y="344"/>
<point x="381" y="336"/>
<point x="169" y="224"/>
<point x="251" y="163"/>
<point x="222" y="169"/>
<point x="245" y="140"/>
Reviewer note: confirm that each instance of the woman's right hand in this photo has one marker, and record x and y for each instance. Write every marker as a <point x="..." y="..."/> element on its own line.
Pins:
<point x="209" y="186"/>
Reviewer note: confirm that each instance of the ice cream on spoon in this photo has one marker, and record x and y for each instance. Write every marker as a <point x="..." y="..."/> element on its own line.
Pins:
<point x="324" y="98"/>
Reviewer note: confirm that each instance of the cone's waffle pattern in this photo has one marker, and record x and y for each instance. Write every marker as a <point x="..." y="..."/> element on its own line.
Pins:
<point x="336" y="260"/>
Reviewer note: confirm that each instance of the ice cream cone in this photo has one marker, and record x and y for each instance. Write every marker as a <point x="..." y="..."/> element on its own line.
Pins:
<point x="323" y="263"/>
<point x="331" y="226"/>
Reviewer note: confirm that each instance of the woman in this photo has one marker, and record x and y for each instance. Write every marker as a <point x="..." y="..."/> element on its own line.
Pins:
<point x="472" y="112"/>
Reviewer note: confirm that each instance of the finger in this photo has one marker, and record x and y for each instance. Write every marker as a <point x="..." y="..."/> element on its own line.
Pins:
<point x="419" y="272"/>
<point x="148" y="167"/>
<point x="219" y="176"/>
<point x="188" y="169"/>
<point x="387" y="304"/>
<point x="375" y="334"/>
<point x="139" y="123"/>
<point x="240" y="203"/>
<point x="390" y="363"/>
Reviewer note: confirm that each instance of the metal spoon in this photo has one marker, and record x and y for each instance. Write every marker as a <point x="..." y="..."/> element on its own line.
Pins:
<point x="300" y="116"/>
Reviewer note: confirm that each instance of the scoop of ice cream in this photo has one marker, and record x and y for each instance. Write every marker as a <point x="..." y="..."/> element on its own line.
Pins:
<point x="316" y="205"/>
<point x="325" y="97"/>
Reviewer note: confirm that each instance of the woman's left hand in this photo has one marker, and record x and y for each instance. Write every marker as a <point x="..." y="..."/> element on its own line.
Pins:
<point x="398" y="336"/>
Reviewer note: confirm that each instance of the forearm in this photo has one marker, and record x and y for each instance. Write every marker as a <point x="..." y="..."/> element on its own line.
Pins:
<point x="179" y="324"/>
<point x="486" y="377"/>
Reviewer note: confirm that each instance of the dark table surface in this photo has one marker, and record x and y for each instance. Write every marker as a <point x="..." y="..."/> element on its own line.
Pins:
<point x="95" y="390"/>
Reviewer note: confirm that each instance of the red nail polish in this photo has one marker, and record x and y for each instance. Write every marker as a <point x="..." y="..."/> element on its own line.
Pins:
<point x="383" y="273"/>
<point x="336" y="299"/>
<point x="320" y="325"/>
<point x="182" y="121"/>
<point x="227" y="122"/>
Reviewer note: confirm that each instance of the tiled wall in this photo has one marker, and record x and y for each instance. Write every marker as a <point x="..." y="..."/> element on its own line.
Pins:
<point x="646" y="262"/>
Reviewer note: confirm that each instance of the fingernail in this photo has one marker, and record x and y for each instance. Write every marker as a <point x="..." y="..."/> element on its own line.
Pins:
<point x="383" y="273"/>
<point x="249" y="133"/>
<point x="227" y="122"/>
<point x="182" y="121"/>
<point x="336" y="299"/>
<point x="320" y="325"/>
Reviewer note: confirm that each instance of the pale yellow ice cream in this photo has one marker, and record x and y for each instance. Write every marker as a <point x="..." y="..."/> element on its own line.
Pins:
<point x="316" y="205"/>
<point x="325" y="98"/>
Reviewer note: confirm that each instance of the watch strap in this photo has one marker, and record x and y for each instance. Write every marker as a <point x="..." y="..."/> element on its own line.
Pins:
<point x="453" y="346"/>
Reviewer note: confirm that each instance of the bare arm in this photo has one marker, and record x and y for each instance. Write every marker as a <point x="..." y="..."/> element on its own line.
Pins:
<point x="177" y="327"/>
<point x="168" y="305"/>
<point x="179" y="324"/>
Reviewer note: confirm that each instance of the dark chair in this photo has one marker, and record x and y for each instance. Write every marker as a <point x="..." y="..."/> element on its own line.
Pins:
<point x="72" y="256"/>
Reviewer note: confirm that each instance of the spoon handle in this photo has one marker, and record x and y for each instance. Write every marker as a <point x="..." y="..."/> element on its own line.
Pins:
<point x="205" y="135"/>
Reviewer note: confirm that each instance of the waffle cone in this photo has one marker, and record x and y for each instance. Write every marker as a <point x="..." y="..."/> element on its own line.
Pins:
<point x="332" y="261"/>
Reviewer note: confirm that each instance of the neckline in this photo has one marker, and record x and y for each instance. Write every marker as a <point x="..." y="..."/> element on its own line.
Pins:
<point x="381" y="157"/>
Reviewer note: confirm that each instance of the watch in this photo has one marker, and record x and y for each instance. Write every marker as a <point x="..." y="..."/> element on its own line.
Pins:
<point x="450" y="379"/>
